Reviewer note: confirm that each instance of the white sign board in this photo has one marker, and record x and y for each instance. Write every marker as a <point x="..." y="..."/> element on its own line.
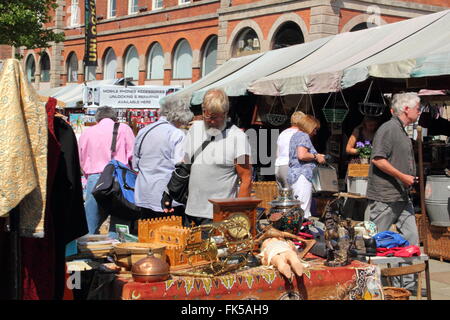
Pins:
<point x="129" y="97"/>
<point x="132" y="97"/>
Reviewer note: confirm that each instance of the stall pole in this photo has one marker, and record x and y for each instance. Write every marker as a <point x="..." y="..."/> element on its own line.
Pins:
<point x="421" y="181"/>
<point x="15" y="262"/>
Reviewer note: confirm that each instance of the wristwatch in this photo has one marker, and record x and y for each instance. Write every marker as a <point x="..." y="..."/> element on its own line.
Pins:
<point x="315" y="156"/>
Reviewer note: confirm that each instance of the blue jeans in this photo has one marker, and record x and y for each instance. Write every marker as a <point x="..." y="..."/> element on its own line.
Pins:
<point x="94" y="216"/>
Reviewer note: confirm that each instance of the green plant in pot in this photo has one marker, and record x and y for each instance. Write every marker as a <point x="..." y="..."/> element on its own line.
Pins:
<point x="364" y="150"/>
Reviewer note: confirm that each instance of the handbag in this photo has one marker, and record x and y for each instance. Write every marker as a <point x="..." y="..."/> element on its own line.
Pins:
<point x="114" y="190"/>
<point x="178" y="186"/>
<point x="179" y="181"/>
<point x="324" y="179"/>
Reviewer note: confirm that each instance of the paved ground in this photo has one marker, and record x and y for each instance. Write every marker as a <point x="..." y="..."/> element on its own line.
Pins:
<point x="440" y="280"/>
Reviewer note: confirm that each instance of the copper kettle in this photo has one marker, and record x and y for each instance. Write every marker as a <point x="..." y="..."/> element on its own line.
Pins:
<point x="150" y="269"/>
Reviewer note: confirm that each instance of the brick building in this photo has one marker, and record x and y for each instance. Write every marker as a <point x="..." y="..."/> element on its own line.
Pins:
<point x="179" y="41"/>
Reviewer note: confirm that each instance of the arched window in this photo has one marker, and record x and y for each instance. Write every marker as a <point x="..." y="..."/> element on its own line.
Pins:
<point x="362" y="26"/>
<point x="210" y="56"/>
<point x="132" y="64"/>
<point x="287" y="35"/>
<point x="155" y="62"/>
<point x="72" y="68"/>
<point x="246" y="43"/>
<point x="45" y="68"/>
<point x="30" y="68"/>
<point x="182" y="68"/>
<point x="110" y="65"/>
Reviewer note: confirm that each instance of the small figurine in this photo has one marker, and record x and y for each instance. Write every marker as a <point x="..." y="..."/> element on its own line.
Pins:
<point x="339" y="237"/>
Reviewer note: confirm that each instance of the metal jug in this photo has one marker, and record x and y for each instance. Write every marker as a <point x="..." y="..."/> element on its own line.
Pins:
<point x="286" y="213"/>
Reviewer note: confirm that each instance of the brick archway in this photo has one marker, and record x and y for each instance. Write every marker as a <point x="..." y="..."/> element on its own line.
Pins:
<point x="361" y="18"/>
<point x="237" y="30"/>
<point x="288" y="17"/>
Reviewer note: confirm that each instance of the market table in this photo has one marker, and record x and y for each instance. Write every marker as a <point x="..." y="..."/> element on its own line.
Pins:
<point x="356" y="281"/>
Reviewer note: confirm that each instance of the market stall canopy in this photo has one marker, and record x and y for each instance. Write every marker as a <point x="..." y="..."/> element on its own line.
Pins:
<point x="221" y="72"/>
<point x="72" y="94"/>
<point x="418" y="47"/>
<point x="236" y="83"/>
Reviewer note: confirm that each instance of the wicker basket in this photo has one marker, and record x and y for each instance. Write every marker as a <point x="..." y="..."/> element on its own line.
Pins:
<point x="421" y="227"/>
<point x="438" y="242"/>
<point x="393" y="293"/>
<point x="266" y="191"/>
<point x="335" y="115"/>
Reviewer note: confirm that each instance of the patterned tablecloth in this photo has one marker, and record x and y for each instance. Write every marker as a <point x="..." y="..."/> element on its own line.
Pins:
<point x="352" y="282"/>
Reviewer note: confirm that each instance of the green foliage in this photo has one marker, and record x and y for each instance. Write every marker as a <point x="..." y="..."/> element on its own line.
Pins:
<point x="22" y="23"/>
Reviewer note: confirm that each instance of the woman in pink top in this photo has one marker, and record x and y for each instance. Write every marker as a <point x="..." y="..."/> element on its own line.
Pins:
<point x="282" y="160"/>
<point x="95" y="153"/>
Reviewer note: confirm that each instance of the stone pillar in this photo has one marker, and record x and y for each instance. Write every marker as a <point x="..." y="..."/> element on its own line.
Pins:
<point x="222" y="42"/>
<point x="99" y="70"/>
<point x="167" y="69"/>
<point x="324" y="21"/>
<point x="56" y="58"/>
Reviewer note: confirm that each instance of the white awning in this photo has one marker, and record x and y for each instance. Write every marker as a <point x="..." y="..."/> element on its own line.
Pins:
<point x="218" y="74"/>
<point x="416" y="47"/>
<point x="236" y="83"/>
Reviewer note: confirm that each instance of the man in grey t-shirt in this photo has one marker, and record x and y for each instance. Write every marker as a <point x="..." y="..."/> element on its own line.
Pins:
<point x="216" y="171"/>
<point x="392" y="171"/>
<point x="391" y="174"/>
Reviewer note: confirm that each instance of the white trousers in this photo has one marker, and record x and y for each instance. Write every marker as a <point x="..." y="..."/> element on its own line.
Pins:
<point x="302" y="190"/>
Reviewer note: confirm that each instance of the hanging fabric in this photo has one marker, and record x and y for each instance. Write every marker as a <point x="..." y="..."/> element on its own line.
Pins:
<point x="425" y="117"/>
<point x="23" y="177"/>
<point x="438" y="124"/>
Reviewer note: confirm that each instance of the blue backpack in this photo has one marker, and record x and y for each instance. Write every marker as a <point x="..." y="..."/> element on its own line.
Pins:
<point x="389" y="239"/>
<point x="114" y="191"/>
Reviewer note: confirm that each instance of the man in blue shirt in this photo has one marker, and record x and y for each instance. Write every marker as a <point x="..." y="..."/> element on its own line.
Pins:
<point x="158" y="147"/>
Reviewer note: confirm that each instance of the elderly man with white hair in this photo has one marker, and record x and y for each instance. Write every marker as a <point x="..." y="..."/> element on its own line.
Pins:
<point x="158" y="147"/>
<point x="393" y="170"/>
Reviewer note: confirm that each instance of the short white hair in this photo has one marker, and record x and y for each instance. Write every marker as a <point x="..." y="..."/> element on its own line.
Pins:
<point x="402" y="100"/>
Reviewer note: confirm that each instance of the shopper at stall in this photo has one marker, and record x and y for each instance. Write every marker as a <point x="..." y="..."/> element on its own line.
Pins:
<point x="393" y="169"/>
<point x="282" y="160"/>
<point x="362" y="133"/>
<point x="392" y="172"/>
<point x="303" y="158"/>
<point x="95" y="153"/>
<point x="225" y="161"/>
<point x="158" y="147"/>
